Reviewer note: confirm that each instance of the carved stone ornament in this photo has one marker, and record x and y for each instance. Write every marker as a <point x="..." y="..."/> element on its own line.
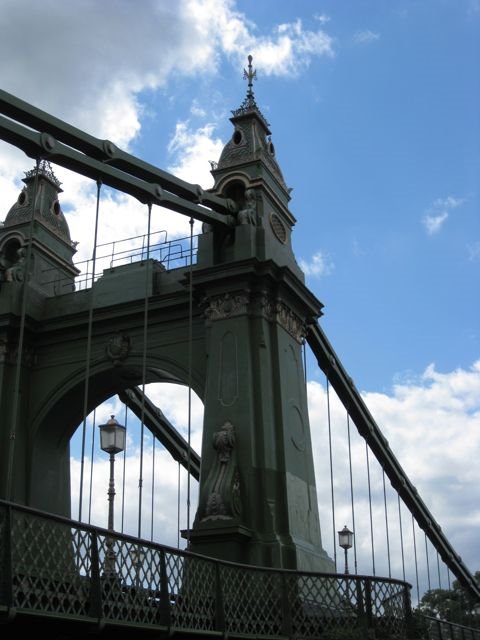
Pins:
<point x="268" y="307"/>
<point x="226" y="306"/>
<point x="278" y="228"/>
<point x="290" y="322"/>
<point x="9" y="354"/>
<point x="275" y="311"/>
<point x="117" y="348"/>
<point x="223" y="499"/>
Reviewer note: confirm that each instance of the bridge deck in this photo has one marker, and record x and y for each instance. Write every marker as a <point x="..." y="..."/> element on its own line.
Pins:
<point x="79" y="579"/>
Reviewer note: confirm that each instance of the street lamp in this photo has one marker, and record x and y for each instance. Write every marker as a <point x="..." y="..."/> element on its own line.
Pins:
<point x="345" y="540"/>
<point x="112" y="441"/>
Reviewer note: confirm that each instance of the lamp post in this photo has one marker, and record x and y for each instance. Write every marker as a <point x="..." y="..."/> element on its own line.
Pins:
<point x="112" y="441"/>
<point x="345" y="539"/>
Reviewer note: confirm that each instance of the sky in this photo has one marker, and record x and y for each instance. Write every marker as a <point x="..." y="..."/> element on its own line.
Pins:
<point x="374" y="112"/>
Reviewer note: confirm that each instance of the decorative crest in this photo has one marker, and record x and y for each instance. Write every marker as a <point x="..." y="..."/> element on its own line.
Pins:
<point x="45" y="169"/>
<point x="249" y="104"/>
<point x="250" y="75"/>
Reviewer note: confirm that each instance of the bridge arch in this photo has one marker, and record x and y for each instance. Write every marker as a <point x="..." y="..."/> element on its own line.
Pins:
<point x="63" y="411"/>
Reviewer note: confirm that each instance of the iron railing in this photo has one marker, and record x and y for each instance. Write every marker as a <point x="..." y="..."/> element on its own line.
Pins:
<point x="59" y="568"/>
<point x="168" y="254"/>
<point x="437" y="629"/>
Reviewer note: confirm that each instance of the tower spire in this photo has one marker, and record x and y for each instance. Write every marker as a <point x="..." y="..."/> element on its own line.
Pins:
<point x="249" y="105"/>
<point x="250" y="75"/>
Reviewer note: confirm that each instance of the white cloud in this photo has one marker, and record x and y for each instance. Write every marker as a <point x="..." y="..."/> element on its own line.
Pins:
<point x="365" y="37"/>
<point x="322" y="18"/>
<point x="433" y="223"/>
<point x="319" y="265"/>
<point x="474" y="251"/>
<point x="192" y="149"/>
<point x="73" y="61"/>
<point x="291" y="49"/>
<point x="432" y="424"/>
<point x="437" y="214"/>
<point x="449" y="202"/>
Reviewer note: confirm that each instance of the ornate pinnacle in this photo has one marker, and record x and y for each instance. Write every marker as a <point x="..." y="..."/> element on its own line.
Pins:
<point x="250" y="75"/>
<point x="249" y="104"/>
<point x="44" y="168"/>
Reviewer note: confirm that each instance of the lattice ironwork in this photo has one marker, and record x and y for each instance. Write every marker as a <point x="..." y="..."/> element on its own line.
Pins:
<point x="195" y="600"/>
<point x="52" y="566"/>
<point x="46" y="563"/>
<point x="252" y="601"/>
<point x="441" y="629"/>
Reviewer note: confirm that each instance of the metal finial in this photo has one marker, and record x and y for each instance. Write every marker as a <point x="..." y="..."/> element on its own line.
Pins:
<point x="250" y="75"/>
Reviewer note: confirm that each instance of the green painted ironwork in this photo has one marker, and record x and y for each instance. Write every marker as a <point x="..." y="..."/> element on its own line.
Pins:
<point x="230" y="327"/>
<point x="237" y="319"/>
<point x="55" y="567"/>
<point x="437" y="629"/>
<point x="329" y="362"/>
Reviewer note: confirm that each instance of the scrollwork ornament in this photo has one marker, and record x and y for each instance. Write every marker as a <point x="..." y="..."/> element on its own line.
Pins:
<point x="290" y="322"/>
<point x="267" y="307"/>
<point x="224" y="496"/>
<point x="117" y="348"/>
<point x="226" y="306"/>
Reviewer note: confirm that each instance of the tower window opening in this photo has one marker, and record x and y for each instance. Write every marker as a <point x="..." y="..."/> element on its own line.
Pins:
<point x="237" y="136"/>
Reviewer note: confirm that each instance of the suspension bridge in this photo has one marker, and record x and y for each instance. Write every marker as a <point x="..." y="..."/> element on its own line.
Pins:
<point x="226" y="314"/>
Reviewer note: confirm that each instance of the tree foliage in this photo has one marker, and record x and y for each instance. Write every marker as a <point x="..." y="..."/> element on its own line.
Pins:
<point x="455" y="604"/>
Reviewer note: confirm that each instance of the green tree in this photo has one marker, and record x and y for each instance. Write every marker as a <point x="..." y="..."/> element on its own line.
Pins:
<point x="454" y="605"/>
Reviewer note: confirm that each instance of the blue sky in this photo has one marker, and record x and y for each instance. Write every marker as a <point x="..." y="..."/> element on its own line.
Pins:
<point x="374" y="111"/>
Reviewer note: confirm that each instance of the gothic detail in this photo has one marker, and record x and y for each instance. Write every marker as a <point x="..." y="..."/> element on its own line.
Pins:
<point x="16" y="272"/>
<point x="278" y="228"/>
<point x="226" y="306"/>
<point x="39" y="199"/>
<point x="290" y="322"/>
<point x="223" y="501"/>
<point x="275" y="311"/>
<point x="117" y="348"/>
<point x="268" y="307"/>
<point x="248" y="215"/>
<point x="9" y="354"/>
<point x="251" y="139"/>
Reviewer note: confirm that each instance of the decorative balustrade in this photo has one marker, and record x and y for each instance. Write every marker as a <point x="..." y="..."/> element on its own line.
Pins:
<point x="52" y="566"/>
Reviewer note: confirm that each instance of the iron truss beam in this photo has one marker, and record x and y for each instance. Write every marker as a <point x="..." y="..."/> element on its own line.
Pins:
<point x="41" y="135"/>
<point x="162" y="429"/>
<point x="330" y="364"/>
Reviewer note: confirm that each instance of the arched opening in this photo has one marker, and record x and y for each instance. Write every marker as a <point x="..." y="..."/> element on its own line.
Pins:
<point x="153" y="490"/>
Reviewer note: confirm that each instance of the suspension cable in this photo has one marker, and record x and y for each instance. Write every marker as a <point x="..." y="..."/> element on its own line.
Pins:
<point x="124" y="469"/>
<point x="304" y="351"/>
<point x="91" y="465"/>
<point x="370" y="509"/>
<point x="88" y="350"/>
<point x="386" y="524"/>
<point x="190" y="338"/>
<point x="438" y="571"/>
<point x="21" y="335"/>
<point x="331" y="474"/>
<point x="351" y="491"/>
<point x="153" y="485"/>
<point x="144" y="372"/>
<point x="401" y="535"/>
<point x="428" y="563"/>
<point x="416" y="561"/>
<point x="178" y="507"/>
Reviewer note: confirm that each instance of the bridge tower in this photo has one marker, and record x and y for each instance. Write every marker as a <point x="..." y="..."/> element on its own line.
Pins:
<point x="231" y="326"/>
